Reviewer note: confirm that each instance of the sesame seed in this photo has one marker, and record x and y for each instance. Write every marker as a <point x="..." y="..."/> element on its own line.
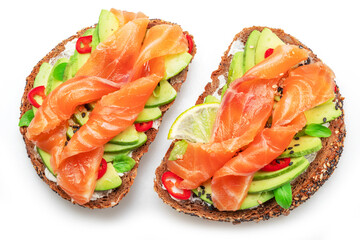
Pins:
<point x="291" y="152"/>
<point x="289" y="148"/>
<point x="291" y="163"/>
<point x="83" y="115"/>
<point x="297" y="138"/>
<point x="324" y="119"/>
<point x="296" y="145"/>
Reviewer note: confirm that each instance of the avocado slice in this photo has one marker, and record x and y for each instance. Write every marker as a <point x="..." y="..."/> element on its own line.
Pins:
<point x="295" y="162"/>
<point x="148" y="114"/>
<point x="46" y="159"/>
<point x="56" y="75"/>
<point x="236" y="69"/>
<point x="41" y="79"/>
<point x="110" y="157"/>
<point x="249" y="52"/>
<point x="323" y="113"/>
<point x="175" y="63"/>
<point x="178" y="150"/>
<point x="251" y="200"/>
<point x="211" y="99"/>
<point x="95" y="38"/>
<point x="165" y="94"/>
<point x="109" y="180"/>
<point x="108" y="24"/>
<point x="301" y="146"/>
<point x="267" y="40"/>
<point x="275" y="182"/>
<point x="82" y="116"/>
<point x="127" y="137"/>
<point x="116" y="148"/>
<point x="72" y="129"/>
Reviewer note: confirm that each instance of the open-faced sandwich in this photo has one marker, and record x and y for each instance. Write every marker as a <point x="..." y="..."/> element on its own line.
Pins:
<point x="92" y="106"/>
<point x="264" y="136"/>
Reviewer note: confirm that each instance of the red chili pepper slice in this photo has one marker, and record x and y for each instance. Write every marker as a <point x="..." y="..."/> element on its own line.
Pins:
<point x="268" y="52"/>
<point x="190" y="43"/>
<point x="83" y="44"/>
<point x="171" y="182"/>
<point x="142" y="127"/>
<point x="102" y="168"/>
<point x="38" y="91"/>
<point x="276" y="164"/>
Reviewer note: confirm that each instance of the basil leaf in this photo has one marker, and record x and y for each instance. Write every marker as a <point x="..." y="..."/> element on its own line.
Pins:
<point x="123" y="163"/>
<point x="283" y="195"/>
<point x="58" y="72"/>
<point x="178" y="150"/>
<point x="317" y="130"/>
<point x="26" y="118"/>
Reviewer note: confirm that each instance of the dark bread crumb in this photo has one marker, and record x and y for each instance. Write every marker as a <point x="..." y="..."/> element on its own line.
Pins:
<point x="113" y="198"/>
<point x="303" y="187"/>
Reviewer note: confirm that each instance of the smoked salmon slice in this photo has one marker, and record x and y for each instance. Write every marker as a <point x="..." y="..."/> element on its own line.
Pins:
<point x="61" y="103"/>
<point x="305" y="87"/>
<point x="77" y="176"/>
<point x="243" y="113"/>
<point x="114" y="58"/>
<point x="118" y="110"/>
<point x="120" y="75"/>
<point x="231" y="182"/>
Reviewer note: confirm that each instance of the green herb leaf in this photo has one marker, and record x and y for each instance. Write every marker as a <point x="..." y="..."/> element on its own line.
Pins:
<point x="123" y="163"/>
<point x="178" y="150"/>
<point x="317" y="130"/>
<point x="26" y="118"/>
<point x="283" y="195"/>
<point x="59" y="70"/>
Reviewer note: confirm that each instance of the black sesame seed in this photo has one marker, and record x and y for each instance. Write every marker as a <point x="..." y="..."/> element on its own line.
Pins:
<point x="199" y="194"/>
<point x="277" y="161"/>
<point x="203" y="192"/>
<point x="289" y="148"/>
<point x="324" y="119"/>
<point x="202" y="187"/>
<point x="297" y="145"/>
<point x="208" y="196"/>
<point x="307" y="61"/>
<point x="297" y="138"/>
<point x="336" y="107"/>
<point x="290" y="163"/>
<point x="66" y="143"/>
<point x="83" y="115"/>
<point x="291" y="152"/>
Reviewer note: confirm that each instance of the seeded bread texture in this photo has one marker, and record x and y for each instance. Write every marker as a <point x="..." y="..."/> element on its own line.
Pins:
<point x="113" y="198"/>
<point x="303" y="187"/>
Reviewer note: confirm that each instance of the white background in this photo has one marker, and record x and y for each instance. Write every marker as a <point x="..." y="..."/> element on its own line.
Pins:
<point x="30" y="29"/>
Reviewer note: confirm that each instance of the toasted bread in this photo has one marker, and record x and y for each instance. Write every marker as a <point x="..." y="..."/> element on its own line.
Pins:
<point x="303" y="186"/>
<point x="113" y="198"/>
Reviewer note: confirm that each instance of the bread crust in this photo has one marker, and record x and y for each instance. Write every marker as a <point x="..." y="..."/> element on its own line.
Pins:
<point x="114" y="197"/>
<point x="303" y="186"/>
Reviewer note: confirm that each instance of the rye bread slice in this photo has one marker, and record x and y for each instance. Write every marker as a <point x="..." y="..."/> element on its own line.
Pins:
<point x="113" y="198"/>
<point x="303" y="187"/>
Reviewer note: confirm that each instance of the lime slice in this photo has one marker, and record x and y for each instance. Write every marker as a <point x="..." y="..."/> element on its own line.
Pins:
<point x="195" y="124"/>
